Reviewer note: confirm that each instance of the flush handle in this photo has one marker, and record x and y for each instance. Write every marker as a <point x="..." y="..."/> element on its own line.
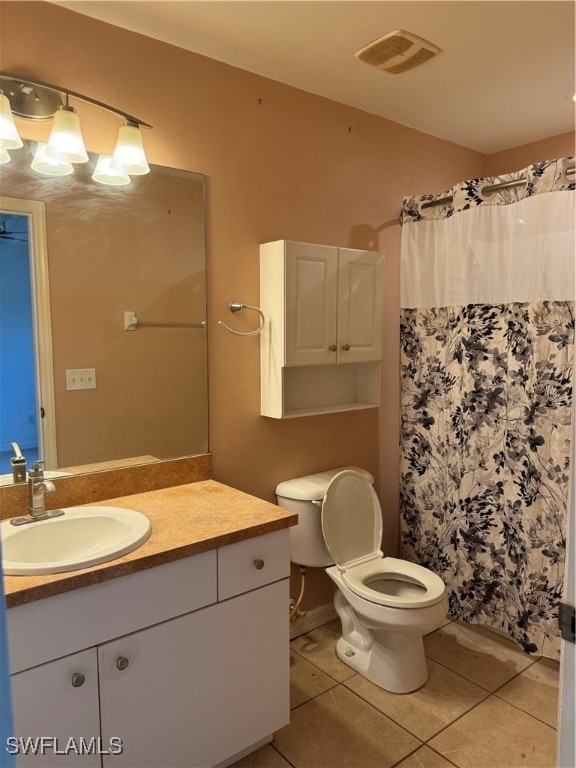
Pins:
<point x="258" y="563"/>
<point x="122" y="662"/>
<point x="78" y="679"/>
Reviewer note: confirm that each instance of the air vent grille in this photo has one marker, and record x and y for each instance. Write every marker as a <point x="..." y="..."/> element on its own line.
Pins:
<point x="420" y="57"/>
<point x="381" y="51"/>
<point x="398" y="52"/>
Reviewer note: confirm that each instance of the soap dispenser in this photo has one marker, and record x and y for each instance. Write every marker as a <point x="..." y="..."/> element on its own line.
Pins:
<point x="18" y="463"/>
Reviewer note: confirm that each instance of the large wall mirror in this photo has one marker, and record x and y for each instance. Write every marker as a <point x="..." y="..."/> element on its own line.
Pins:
<point x="75" y="257"/>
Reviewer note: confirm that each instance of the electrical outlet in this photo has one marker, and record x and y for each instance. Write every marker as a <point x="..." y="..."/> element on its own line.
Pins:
<point x="80" y="378"/>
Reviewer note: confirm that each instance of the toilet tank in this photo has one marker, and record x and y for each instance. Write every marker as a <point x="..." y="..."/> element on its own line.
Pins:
<point x="307" y="545"/>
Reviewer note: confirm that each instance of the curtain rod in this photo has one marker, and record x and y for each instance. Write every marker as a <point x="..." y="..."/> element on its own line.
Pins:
<point x="487" y="190"/>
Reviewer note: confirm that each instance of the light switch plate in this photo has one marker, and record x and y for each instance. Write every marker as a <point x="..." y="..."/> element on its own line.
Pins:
<point x="81" y="378"/>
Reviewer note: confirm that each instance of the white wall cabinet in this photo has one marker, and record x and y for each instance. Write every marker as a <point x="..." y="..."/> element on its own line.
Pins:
<point x="197" y="689"/>
<point x="322" y="342"/>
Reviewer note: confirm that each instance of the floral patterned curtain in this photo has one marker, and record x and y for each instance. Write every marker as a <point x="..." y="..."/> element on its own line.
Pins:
<point x="487" y="366"/>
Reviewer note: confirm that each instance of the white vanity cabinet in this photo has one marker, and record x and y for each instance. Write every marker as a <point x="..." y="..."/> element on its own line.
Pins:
<point x="322" y="342"/>
<point x="199" y="688"/>
<point x="57" y="700"/>
<point x="202" y="678"/>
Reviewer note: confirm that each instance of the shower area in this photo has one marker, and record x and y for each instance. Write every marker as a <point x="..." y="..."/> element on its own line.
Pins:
<point x="487" y="367"/>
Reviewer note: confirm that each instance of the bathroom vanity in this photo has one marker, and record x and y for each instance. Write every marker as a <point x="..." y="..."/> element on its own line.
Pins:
<point x="176" y="654"/>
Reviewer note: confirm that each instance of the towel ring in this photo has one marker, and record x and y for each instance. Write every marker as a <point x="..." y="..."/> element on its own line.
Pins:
<point x="236" y="306"/>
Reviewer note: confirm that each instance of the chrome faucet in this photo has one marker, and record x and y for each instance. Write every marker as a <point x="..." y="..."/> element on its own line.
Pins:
<point x="37" y="488"/>
<point x="18" y="463"/>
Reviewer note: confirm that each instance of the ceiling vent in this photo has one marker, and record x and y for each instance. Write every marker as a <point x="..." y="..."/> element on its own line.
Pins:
<point x="398" y="52"/>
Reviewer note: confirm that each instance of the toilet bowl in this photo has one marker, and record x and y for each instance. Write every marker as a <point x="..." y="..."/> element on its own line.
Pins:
<point x="386" y="605"/>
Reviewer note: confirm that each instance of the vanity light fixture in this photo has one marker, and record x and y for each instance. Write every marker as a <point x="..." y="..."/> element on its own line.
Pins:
<point x="129" y="154"/>
<point x="35" y="100"/>
<point x="66" y="142"/>
<point x="107" y="173"/>
<point x="50" y="166"/>
<point x="9" y="138"/>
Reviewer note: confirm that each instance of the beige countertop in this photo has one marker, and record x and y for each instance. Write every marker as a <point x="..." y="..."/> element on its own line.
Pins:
<point x="186" y="520"/>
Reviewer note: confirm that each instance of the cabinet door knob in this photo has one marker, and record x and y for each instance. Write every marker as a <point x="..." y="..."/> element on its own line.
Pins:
<point x="122" y="662"/>
<point x="258" y="563"/>
<point x="346" y="347"/>
<point x="332" y="347"/>
<point x="78" y="679"/>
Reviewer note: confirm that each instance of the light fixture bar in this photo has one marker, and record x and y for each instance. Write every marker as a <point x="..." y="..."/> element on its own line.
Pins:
<point x="38" y="100"/>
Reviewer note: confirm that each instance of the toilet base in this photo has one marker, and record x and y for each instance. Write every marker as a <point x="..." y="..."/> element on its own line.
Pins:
<point x="389" y="674"/>
<point x="393" y="660"/>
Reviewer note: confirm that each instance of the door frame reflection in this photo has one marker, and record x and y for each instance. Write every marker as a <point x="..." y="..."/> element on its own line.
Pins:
<point x="35" y="211"/>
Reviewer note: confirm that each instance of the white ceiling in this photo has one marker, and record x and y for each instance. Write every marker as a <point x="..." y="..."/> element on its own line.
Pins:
<point x="505" y="76"/>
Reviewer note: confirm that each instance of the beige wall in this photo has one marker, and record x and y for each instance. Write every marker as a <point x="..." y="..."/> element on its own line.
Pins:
<point x="280" y="163"/>
<point x="515" y="159"/>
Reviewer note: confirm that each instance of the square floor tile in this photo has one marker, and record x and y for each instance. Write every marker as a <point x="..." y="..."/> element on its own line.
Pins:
<point x="477" y="654"/>
<point x="535" y="691"/>
<point x="445" y="697"/>
<point x="319" y="648"/>
<point x="497" y="735"/>
<point x="337" y="729"/>
<point x="267" y="757"/>
<point x="425" y="758"/>
<point x="306" y="680"/>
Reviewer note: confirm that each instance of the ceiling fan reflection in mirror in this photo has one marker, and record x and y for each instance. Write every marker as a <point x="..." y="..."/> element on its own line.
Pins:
<point x="8" y="233"/>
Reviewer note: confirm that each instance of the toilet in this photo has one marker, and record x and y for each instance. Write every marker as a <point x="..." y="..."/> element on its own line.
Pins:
<point x="386" y="605"/>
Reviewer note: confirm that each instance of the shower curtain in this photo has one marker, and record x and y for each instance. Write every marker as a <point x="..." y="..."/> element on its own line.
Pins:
<point x="487" y="356"/>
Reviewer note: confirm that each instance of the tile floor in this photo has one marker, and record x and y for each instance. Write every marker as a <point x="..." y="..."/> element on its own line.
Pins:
<point x="486" y="705"/>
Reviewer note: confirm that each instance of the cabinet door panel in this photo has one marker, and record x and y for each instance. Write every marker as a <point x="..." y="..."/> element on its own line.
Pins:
<point x="199" y="688"/>
<point x="47" y="704"/>
<point x="311" y="297"/>
<point x="359" y="306"/>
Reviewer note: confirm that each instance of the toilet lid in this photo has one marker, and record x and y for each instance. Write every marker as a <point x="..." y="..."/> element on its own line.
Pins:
<point x="351" y="519"/>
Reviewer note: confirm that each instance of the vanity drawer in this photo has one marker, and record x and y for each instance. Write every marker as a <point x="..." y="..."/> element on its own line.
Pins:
<point x="63" y="624"/>
<point x="252" y="563"/>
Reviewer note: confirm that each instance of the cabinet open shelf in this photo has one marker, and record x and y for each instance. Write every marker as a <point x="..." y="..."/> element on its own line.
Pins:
<point x="316" y="389"/>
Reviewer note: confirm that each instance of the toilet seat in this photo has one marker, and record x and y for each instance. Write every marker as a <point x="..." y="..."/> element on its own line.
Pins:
<point x="352" y="529"/>
<point x="406" y="585"/>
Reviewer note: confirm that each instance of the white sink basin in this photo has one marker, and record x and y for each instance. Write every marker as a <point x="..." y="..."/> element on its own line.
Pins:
<point x="82" y="537"/>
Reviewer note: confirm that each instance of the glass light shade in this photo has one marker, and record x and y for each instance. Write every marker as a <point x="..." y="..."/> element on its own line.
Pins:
<point x="65" y="142"/>
<point x="9" y="138"/>
<point x="106" y="173"/>
<point x="49" y="166"/>
<point x="129" y="153"/>
<point x="4" y="156"/>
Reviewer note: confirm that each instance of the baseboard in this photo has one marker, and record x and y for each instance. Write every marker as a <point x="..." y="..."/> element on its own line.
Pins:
<point x="247" y="751"/>
<point x="312" y="619"/>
